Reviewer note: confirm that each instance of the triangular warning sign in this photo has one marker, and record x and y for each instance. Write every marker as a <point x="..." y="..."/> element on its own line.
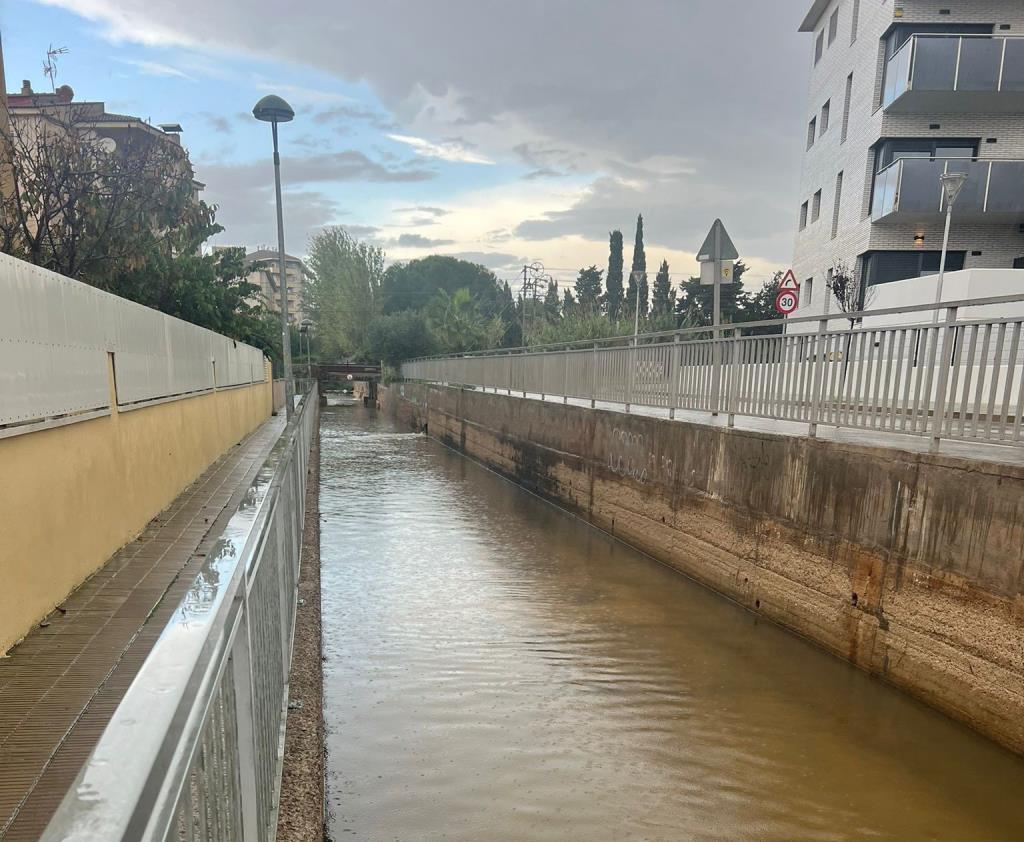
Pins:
<point x="789" y="281"/>
<point x="717" y="245"/>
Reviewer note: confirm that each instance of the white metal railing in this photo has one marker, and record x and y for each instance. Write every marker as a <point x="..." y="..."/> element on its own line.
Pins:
<point x="194" y="750"/>
<point x="959" y="376"/>
<point x="949" y="62"/>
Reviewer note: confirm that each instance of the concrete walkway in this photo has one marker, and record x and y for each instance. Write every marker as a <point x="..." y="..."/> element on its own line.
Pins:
<point x="59" y="687"/>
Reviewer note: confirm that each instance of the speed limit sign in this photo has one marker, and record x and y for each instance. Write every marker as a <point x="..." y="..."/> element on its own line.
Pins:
<point x="786" y="301"/>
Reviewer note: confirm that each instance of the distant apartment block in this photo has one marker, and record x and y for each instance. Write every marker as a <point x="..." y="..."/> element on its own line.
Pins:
<point x="265" y="273"/>
<point x="902" y="91"/>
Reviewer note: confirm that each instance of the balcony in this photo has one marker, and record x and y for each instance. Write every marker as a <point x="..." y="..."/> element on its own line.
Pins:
<point x="908" y="190"/>
<point x="962" y="74"/>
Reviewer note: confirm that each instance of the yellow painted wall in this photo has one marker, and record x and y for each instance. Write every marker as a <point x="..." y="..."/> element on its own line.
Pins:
<point x="71" y="496"/>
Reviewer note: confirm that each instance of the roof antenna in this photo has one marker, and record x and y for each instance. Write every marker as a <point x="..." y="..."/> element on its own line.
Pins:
<point x="50" y="65"/>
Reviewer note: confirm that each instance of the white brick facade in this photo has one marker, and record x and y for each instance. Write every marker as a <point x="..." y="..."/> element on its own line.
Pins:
<point x="816" y="250"/>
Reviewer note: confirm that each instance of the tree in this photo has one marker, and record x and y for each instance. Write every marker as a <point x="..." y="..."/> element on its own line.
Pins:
<point x="411" y="285"/>
<point x="638" y="273"/>
<point x="344" y="292"/>
<point x="82" y="205"/>
<point x="458" y="324"/>
<point x="695" y="303"/>
<point x="394" y="337"/>
<point x="760" y="306"/>
<point x="568" y="304"/>
<point x="552" y="305"/>
<point x="663" y="301"/>
<point x="844" y="288"/>
<point x="613" y="278"/>
<point x="588" y="289"/>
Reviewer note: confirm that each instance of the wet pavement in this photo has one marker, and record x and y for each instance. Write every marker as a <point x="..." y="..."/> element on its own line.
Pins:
<point x="60" y="686"/>
<point x="498" y="670"/>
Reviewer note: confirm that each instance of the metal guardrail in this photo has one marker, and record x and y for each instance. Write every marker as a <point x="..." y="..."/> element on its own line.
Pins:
<point x="949" y="377"/>
<point x="195" y="748"/>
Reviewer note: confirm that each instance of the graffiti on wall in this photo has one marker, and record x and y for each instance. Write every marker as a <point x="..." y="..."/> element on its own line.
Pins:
<point x="631" y="455"/>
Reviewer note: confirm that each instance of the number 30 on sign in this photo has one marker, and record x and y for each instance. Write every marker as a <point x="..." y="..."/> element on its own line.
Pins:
<point x="786" y="301"/>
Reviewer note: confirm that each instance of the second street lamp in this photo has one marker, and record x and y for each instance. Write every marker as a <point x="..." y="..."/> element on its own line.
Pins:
<point x="952" y="184"/>
<point x="272" y="109"/>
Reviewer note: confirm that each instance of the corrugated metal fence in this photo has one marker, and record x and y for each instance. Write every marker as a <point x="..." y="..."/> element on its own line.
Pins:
<point x="55" y="338"/>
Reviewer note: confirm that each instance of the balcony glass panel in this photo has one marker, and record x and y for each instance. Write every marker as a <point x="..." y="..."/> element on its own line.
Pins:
<point x="971" y="198"/>
<point x="935" y="64"/>
<point x="1006" y="189"/>
<point x="920" y="191"/>
<point x="979" y="64"/>
<point x="883" y="201"/>
<point x="897" y="74"/>
<point x="1013" y="65"/>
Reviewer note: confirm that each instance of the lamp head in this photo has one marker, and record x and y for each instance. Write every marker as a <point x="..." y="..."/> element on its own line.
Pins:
<point x="273" y="109"/>
<point x="952" y="184"/>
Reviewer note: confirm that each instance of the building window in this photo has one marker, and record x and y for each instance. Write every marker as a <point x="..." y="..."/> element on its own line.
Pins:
<point x="819" y="46"/>
<point x="846" y="108"/>
<point x="854" y="17"/>
<point x="812" y="128"/>
<point x="807" y="293"/>
<point x="835" y="210"/>
<point x="884" y="267"/>
<point x="891" y="149"/>
<point x="816" y="206"/>
<point x="803" y="216"/>
<point x="833" y="27"/>
<point x="825" y="109"/>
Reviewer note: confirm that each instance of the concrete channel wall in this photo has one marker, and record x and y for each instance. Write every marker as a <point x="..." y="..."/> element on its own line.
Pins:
<point x="910" y="566"/>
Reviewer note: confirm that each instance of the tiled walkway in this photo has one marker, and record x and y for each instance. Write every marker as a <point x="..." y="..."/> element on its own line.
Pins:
<point x="60" y="685"/>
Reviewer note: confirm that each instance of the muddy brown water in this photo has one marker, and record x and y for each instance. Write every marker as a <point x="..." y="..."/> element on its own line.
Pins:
<point x="498" y="671"/>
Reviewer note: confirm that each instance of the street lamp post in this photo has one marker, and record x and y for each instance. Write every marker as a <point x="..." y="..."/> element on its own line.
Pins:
<point x="272" y="109"/>
<point x="952" y="184"/>
<point x="305" y="328"/>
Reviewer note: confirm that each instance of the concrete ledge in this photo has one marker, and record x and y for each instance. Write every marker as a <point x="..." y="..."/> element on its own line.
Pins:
<point x="908" y="565"/>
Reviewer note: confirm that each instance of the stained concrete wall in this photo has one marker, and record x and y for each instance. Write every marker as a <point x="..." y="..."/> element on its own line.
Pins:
<point x="908" y="565"/>
<point x="73" y="495"/>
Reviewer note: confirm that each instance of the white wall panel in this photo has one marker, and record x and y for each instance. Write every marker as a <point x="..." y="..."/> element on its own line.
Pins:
<point x="55" y="334"/>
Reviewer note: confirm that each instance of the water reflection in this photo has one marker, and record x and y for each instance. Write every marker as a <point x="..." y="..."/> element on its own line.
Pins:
<point x="497" y="670"/>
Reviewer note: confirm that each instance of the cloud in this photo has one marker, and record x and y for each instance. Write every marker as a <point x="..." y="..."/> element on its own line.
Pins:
<point x="155" y="68"/>
<point x="492" y="259"/>
<point x="419" y="241"/>
<point x="427" y="209"/>
<point x="218" y="122"/>
<point x="362" y="232"/>
<point x="342" y="115"/>
<point x="446" y="150"/>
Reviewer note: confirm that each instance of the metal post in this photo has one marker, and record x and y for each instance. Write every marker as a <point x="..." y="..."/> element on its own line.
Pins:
<point x="632" y="374"/>
<point x="716" y="367"/>
<point x="734" y="376"/>
<point x="818" y="361"/>
<point x="286" y="340"/>
<point x="593" y="380"/>
<point x="676" y="369"/>
<point x="944" y="365"/>
<point x="565" y="378"/>
<point x="942" y="262"/>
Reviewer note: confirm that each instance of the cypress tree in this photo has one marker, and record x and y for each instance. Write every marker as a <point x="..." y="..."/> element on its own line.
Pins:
<point x="638" y="273"/>
<point x="552" y="306"/>
<point x="613" y="278"/>
<point x="663" y="298"/>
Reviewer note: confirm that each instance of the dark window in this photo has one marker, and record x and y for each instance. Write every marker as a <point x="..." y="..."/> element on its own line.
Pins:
<point x="812" y="128"/>
<point x="816" y="206"/>
<point x="807" y="292"/>
<point x="854" y="18"/>
<point x="803" y="216"/>
<point x="819" y="46"/>
<point x="825" y="109"/>
<point x="846" y="108"/>
<point x="884" y="267"/>
<point x="833" y="26"/>
<point x="887" y="151"/>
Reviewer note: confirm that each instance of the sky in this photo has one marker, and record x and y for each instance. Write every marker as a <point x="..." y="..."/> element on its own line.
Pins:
<point x="497" y="131"/>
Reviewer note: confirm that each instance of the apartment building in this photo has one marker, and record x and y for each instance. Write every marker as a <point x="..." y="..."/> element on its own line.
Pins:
<point x="265" y="273"/>
<point x="901" y="92"/>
